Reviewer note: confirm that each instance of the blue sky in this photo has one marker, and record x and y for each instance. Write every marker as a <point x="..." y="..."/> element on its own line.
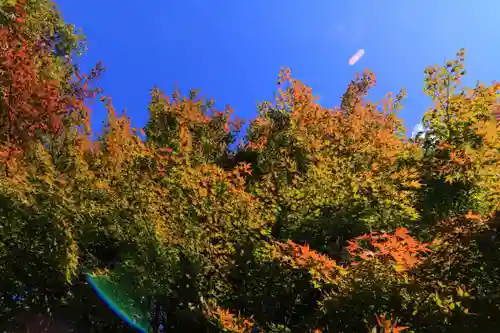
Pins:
<point x="232" y="50"/>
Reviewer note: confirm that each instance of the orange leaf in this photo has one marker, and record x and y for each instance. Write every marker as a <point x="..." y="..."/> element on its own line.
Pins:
<point x="414" y="184"/>
<point x="472" y="216"/>
<point x="397" y="329"/>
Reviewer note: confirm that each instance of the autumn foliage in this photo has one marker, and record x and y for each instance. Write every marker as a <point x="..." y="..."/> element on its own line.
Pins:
<point x="321" y="220"/>
<point x="400" y="247"/>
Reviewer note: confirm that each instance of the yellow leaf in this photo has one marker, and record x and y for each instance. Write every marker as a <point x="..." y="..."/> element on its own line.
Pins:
<point x="400" y="268"/>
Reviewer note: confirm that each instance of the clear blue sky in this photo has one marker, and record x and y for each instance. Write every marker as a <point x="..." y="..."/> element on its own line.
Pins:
<point x="233" y="49"/>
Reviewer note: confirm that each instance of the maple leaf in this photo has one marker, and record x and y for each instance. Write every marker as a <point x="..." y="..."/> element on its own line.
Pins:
<point x="472" y="216"/>
<point x="415" y="184"/>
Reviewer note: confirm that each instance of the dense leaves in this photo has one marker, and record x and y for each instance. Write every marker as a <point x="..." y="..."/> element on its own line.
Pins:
<point x="321" y="220"/>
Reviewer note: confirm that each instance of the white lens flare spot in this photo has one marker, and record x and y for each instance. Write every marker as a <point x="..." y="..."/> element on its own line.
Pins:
<point x="418" y="129"/>
<point x="355" y="58"/>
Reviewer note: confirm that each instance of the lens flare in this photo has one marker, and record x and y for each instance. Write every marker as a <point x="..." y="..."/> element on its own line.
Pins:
<point x="355" y="58"/>
<point x="122" y="304"/>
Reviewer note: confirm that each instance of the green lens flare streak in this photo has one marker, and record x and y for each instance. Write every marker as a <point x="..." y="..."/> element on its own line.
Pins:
<point x="113" y="294"/>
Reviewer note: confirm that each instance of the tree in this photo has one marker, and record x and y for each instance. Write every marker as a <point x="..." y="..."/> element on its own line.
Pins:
<point x="323" y="220"/>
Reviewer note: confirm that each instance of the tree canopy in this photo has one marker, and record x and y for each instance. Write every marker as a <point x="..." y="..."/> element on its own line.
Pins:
<point x="321" y="220"/>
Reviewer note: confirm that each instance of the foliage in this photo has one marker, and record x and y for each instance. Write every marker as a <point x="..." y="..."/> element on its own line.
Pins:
<point x="322" y="220"/>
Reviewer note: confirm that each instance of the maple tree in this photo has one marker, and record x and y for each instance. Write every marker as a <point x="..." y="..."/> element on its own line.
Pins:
<point x="322" y="220"/>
